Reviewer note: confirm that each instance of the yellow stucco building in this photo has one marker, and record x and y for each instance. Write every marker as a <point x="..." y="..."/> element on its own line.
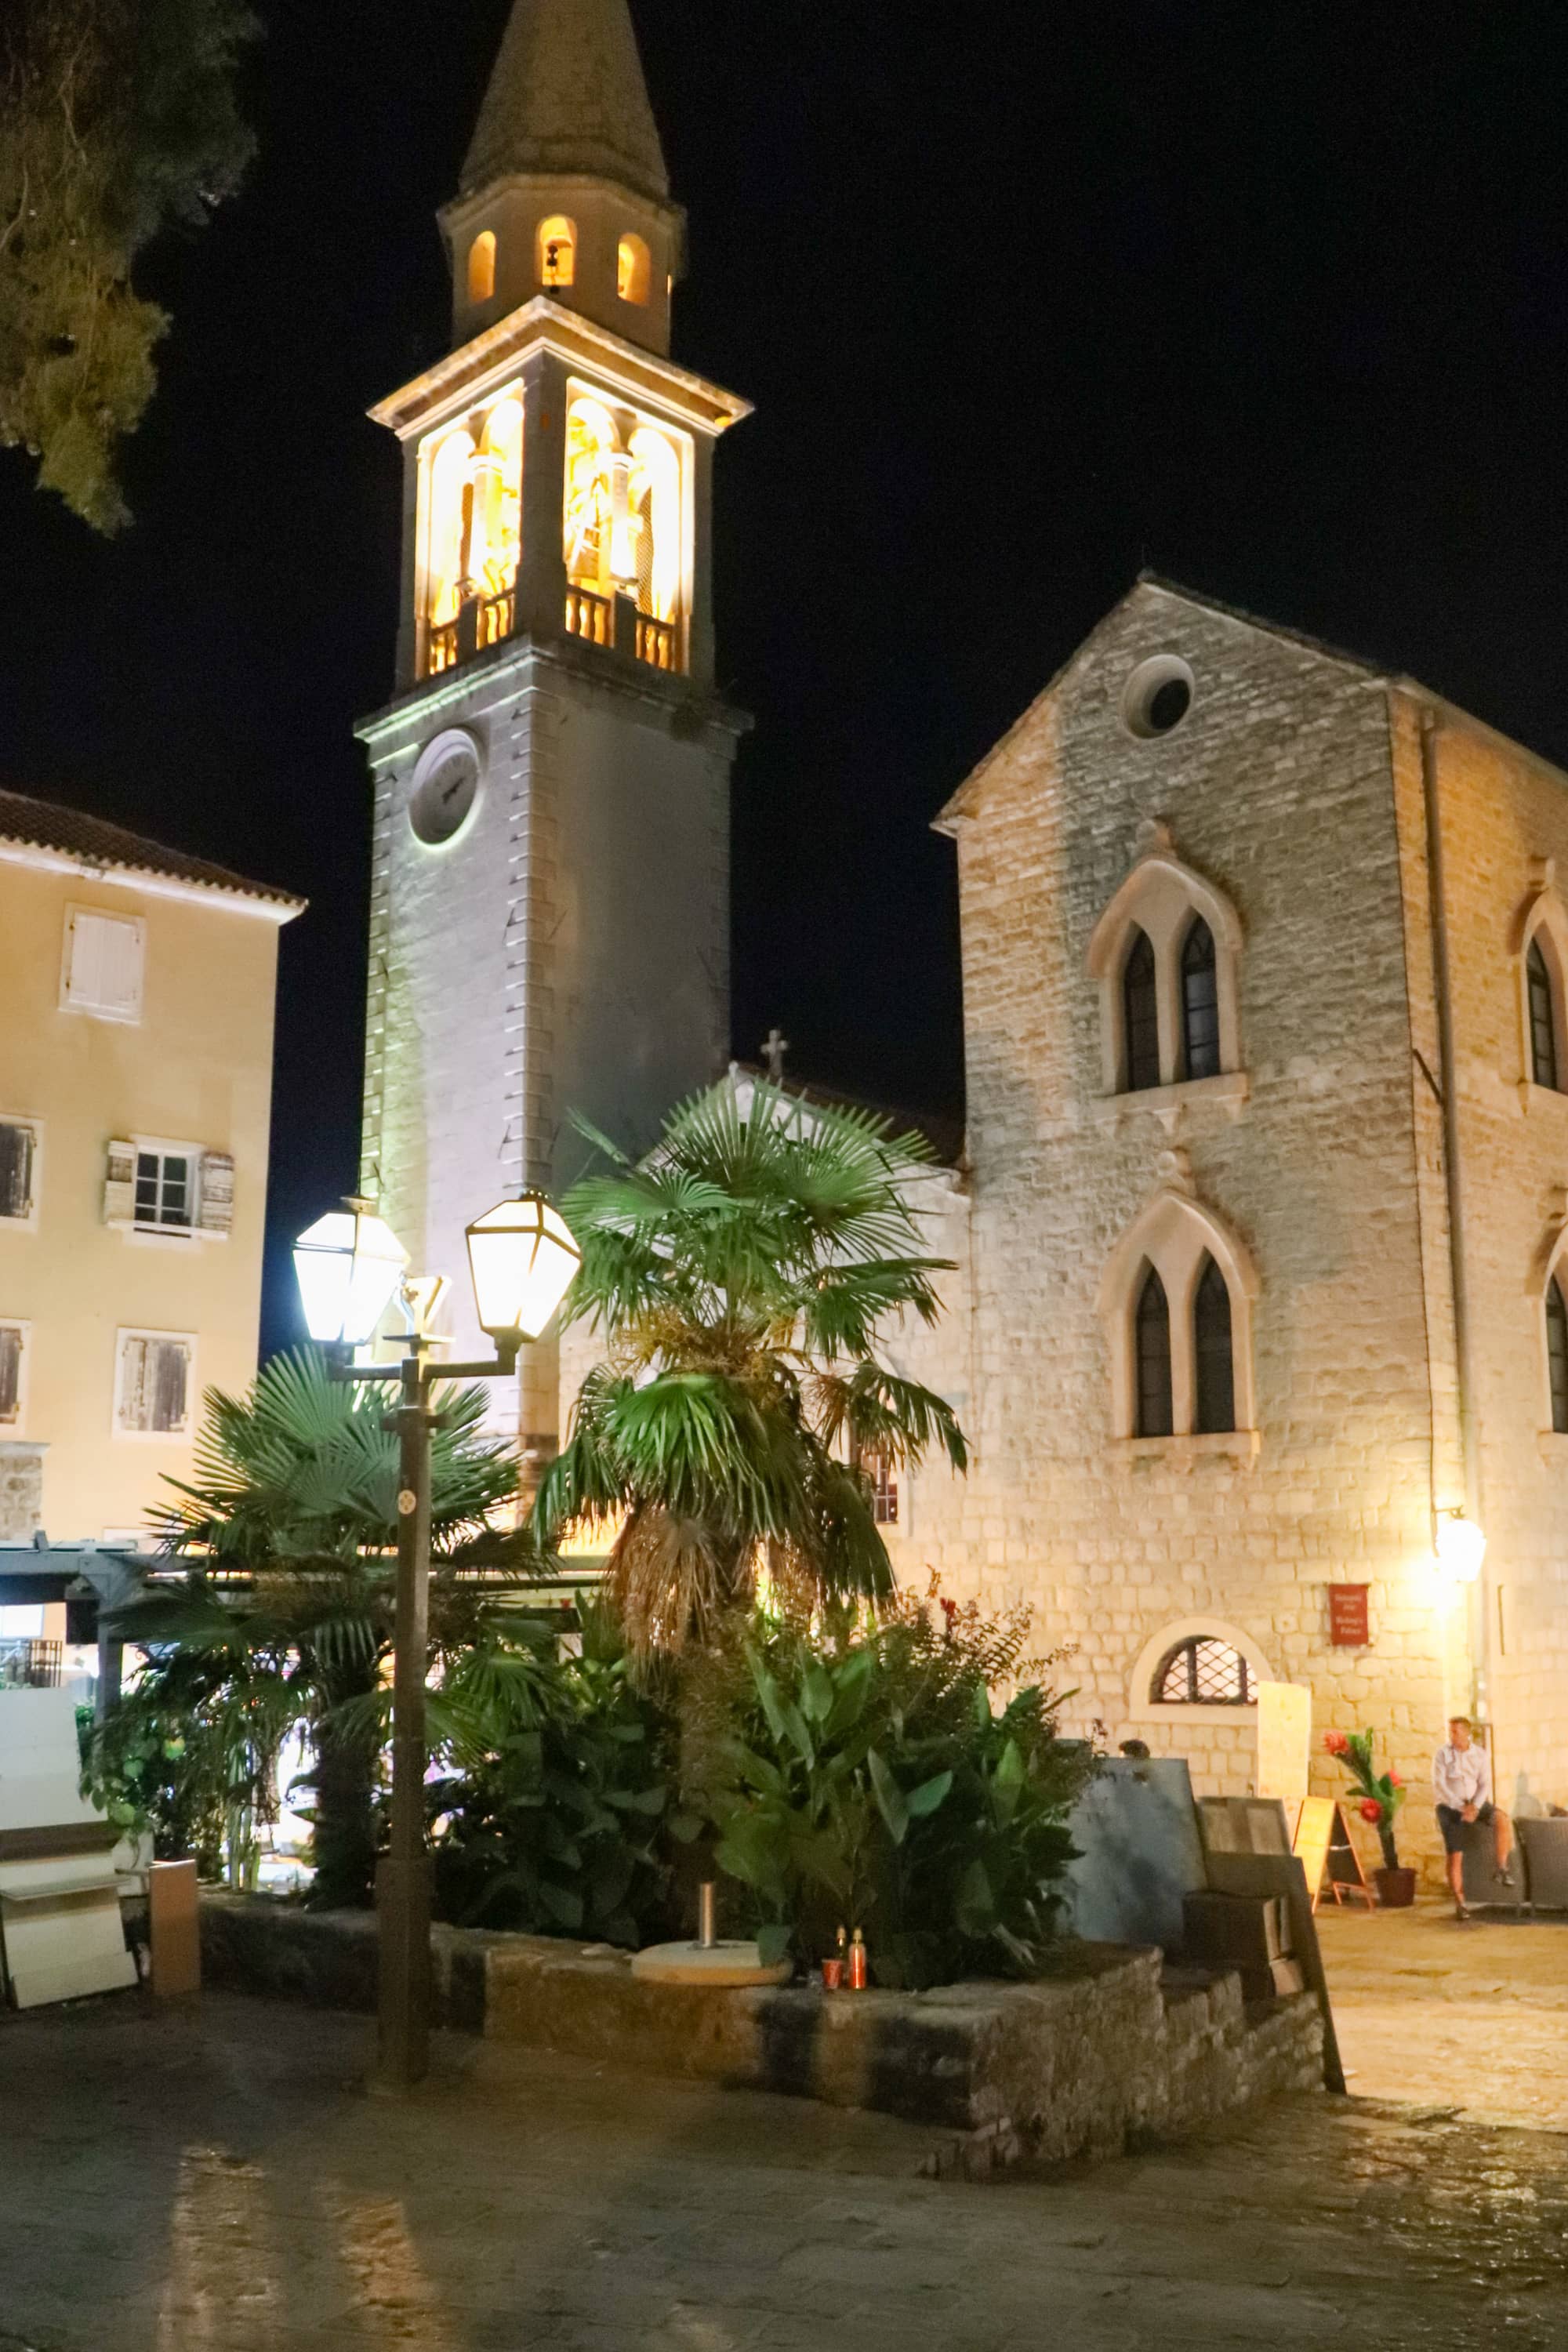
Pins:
<point x="135" y="1085"/>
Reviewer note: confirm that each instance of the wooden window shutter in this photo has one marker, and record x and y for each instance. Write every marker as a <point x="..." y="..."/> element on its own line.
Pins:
<point x="120" y="1185"/>
<point x="103" y="963"/>
<point x="216" y="1212"/>
<point x="17" y="1142"/>
<point x="171" y="1369"/>
<point x="10" y="1374"/>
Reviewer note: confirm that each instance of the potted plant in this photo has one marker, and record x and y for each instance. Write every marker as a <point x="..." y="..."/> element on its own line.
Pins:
<point x="1380" y="1796"/>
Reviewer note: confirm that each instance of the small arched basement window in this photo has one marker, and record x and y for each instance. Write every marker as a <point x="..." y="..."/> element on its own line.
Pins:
<point x="557" y="251"/>
<point x="1200" y="1002"/>
<point x="1152" y="1327"/>
<point x="1542" y="1018"/>
<point x="1213" y="1364"/>
<point x="1557" y="1354"/>
<point x="1203" y="1670"/>
<point x="482" y="266"/>
<point x="632" y="269"/>
<point x="1139" y="1013"/>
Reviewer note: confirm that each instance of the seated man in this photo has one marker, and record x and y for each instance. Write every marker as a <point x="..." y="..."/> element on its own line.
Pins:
<point x="1462" y="1784"/>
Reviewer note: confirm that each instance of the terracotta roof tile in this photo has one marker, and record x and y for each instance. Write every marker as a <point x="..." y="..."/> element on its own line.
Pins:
<point x="47" y="824"/>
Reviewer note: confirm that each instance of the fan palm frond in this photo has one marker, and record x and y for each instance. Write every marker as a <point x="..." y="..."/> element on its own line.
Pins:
<point x="739" y="1280"/>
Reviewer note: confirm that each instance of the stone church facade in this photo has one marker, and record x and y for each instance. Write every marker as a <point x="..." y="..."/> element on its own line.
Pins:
<point x="1258" y="1228"/>
<point x="1263" y="968"/>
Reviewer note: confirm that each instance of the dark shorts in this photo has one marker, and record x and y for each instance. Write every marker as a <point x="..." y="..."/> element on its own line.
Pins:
<point x="1456" y="1829"/>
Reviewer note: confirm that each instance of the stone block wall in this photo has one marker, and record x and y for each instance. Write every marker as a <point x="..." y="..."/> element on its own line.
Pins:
<point x="1504" y="823"/>
<point x="1278" y="788"/>
<point x="567" y="952"/>
<point x="1083" y="2063"/>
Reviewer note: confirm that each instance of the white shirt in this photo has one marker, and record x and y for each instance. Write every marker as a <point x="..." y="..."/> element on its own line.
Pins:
<point x="1461" y="1776"/>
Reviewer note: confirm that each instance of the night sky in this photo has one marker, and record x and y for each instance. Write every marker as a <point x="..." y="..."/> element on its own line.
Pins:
<point x="1272" y="300"/>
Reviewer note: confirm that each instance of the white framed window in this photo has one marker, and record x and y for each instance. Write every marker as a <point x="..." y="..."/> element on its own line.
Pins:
<point x="13" y="1350"/>
<point x="886" y="1497"/>
<point x="154" y="1377"/>
<point x="153" y="1185"/>
<point x="165" y="1188"/>
<point x="21" y="1151"/>
<point x="102" y="969"/>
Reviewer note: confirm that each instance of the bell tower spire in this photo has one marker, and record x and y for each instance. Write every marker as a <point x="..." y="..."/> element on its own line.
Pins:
<point x="563" y="188"/>
<point x="550" y="916"/>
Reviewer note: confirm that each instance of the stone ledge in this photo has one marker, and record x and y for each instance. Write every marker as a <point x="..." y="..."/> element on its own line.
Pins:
<point x="1081" y="2063"/>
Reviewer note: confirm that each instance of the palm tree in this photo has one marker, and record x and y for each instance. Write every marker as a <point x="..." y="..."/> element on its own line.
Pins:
<point x="738" y="1277"/>
<point x="290" y="1524"/>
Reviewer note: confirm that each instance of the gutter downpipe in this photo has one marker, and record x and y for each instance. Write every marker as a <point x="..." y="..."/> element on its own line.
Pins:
<point x="1469" y="1432"/>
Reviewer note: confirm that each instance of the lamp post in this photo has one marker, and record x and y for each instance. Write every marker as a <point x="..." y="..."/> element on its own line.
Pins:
<point x="522" y="1257"/>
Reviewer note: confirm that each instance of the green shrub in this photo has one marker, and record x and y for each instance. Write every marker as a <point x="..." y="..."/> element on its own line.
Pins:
<point x="555" y="1815"/>
<point x="190" y="1753"/>
<point x="875" y="1782"/>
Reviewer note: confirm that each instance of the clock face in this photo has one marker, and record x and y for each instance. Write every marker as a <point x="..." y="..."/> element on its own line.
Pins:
<point x="446" y="782"/>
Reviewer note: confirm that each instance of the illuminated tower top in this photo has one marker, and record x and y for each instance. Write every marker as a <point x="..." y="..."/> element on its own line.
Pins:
<point x="563" y="189"/>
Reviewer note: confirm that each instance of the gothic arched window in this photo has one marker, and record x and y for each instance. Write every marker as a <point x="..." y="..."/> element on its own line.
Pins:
<point x="1203" y="1670"/>
<point x="557" y="251"/>
<point x="632" y="269"/>
<point x="482" y="266"/>
<point x="1139" y="1013"/>
<point x="1557" y="1354"/>
<point x="1213" y="1365"/>
<point x="1542" y="1018"/>
<point x="1200" y="1002"/>
<point x="1151" y="1326"/>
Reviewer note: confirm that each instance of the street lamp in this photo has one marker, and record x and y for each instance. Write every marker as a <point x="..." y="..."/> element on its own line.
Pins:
<point x="1461" y="1547"/>
<point x="348" y="1263"/>
<point x="521" y="1256"/>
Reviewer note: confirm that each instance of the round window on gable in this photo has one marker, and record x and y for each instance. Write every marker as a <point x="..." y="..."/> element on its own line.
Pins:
<point x="1157" y="697"/>
<point x="446" y="785"/>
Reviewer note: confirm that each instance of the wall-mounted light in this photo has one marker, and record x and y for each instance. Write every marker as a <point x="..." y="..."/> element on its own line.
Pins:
<point x="1460" y="1545"/>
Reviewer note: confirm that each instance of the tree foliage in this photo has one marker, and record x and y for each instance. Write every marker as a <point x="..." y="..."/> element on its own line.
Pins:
<point x="739" y="1278"/>
<point x="118" y="119"/>
<point x="290" y="1526"/>
<point x="894" y="1777"/>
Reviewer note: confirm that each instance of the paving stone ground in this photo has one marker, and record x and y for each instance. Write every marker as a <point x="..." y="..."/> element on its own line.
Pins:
<point x="213" y="2179"/>
<point x="1475" y="2016"/>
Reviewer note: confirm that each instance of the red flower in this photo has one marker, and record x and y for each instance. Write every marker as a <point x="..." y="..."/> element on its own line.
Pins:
<point x="1336" y="1743"/>
<point x="1371" y="1811"/>
<point x="1395" y="1782"/>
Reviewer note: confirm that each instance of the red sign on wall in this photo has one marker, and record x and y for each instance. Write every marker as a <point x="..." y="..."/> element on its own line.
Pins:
<point x="1347" y="1616"/>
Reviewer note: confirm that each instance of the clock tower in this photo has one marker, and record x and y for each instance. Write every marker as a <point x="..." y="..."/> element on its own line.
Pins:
<point x="549" y="924"/>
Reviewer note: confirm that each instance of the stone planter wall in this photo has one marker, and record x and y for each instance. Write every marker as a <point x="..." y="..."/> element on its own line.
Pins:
<point x="1081" y="2064"/>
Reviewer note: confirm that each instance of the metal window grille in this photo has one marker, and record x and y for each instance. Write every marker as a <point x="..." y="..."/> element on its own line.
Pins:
<point x="1200" y="1002"/>
<point x="1542" y="1020"/>
<point x="166" y="1190"/>
<point x="1139" y="1015"/>
<point x="1152" y="1337"/>
<point x="1212" y="1350"/>
<point x="1203" y="1670"/>
<point x="1557" y="1353"/>
<point x="16" y="1169"/>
